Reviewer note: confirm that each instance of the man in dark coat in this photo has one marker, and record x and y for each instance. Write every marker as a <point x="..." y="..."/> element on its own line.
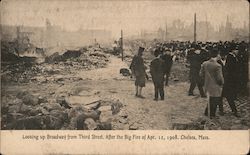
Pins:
<point x="157" y="72"/>
<point x="138" y="70"/>
<point x="221" y="60"/>
<point x="195" y="61"/>
<point x="243" y="57"/>
<point x="168" y="62"/>
<point x="231" y="80"/>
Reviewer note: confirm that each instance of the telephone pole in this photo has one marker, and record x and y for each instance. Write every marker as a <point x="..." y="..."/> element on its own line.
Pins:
<point x="122" y="44"/>
<point x="166" y="32"/>
<point x="194" y="27"/>
<point x="206" y="28"/>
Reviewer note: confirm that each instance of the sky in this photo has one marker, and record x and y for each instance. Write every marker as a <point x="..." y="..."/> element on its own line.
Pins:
<point x="114" y="15"/>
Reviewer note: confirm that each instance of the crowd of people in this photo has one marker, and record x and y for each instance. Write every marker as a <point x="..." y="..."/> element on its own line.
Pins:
<point x="218" y="69"/>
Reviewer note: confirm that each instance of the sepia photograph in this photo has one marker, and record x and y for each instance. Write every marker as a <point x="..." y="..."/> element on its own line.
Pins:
<point x="124" y="77"/>
<point x="124" y="65"/>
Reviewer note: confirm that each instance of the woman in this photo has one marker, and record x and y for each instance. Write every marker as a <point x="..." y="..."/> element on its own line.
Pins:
<point x="138" y="69"/>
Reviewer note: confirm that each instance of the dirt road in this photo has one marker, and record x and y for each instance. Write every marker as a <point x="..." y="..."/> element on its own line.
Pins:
<point x="141" y="113"/>
<point x="177" y="109"/>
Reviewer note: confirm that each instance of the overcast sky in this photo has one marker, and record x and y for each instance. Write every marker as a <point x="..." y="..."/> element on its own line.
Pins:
<point x="132" y="16"/>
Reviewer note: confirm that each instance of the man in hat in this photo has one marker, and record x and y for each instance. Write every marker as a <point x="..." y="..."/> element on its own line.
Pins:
<point x="168" y="62"/>
<point x="221" y="60"/>
<point x="211" y="70"/>
<point x="157" y="72"/>
<point x="195" y="60"/>
<point x="231" y="77"/>
<point x="138" y="69"/>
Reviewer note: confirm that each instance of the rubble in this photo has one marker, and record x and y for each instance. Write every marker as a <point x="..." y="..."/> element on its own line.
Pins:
<point x="62" y="101"/>
<point x="83" y="106"/>
<point x="82" y="59"/>
<point x="133" y="127"/>
<point x="93" y="105"/>
<point x="90" y="124"/>
<point x="42" y="99"/>
<point x="105" y="126"/>
<point x="24" y="69"/>
<point x="32" y="122"/>
<point x="106" y="117"/>
<point x="51" y="106"/>
<point x="9" y="57"/>
<point x="30" y="100"/>
<point x="29" y="111"/>
<point x="189" y="125"/>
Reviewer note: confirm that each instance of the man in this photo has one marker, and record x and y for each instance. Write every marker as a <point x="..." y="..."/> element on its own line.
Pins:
<point x="157" y="72"/>
<point x="231" y="80"/>
<point x="138" y="69"/>
<point x="243" y="57"/>
<point x="195" y="64"/>
<point x="211" y="70"/>
<point x="115" y="48"/>
<point x="168" y="62"/>
<point x="221" y="61"/>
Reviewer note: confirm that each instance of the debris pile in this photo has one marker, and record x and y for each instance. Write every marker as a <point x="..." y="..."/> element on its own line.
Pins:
<point x="28" y="111"/>
<point x="26" y="69"/>
<point x="80" y="59"/>
<point x="21" y="71"/>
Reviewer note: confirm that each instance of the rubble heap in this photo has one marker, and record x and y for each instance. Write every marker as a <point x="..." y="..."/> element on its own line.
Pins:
<point x="27" y="69"/>
<point x="28" y="111"/>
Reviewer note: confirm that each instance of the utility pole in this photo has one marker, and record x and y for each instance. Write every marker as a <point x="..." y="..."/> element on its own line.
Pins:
<point x="194" y="27"/>
<point x="122" y="44"/>
<point x="166" y="32"/>
<point x="206" y="28"/>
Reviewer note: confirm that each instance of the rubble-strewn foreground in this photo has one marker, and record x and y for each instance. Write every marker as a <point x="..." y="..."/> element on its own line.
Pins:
<point x="89" y="88"/>
<point x="28" y="111"/>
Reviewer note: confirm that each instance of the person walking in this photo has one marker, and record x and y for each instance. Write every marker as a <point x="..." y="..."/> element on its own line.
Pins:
<point x="138" y="70"/>
<point x="211" y="70"/>
<point x="157" y="73"/>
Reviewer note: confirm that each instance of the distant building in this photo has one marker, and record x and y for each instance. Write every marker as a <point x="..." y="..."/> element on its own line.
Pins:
<point x="52" y="35"/>
<point x="204" y="30"/>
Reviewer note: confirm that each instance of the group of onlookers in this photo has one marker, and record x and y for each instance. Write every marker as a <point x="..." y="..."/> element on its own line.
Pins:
<point x="218" y="69"/>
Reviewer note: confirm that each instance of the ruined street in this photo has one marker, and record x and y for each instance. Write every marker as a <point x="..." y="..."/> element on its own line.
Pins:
<point x="103" y="98"/>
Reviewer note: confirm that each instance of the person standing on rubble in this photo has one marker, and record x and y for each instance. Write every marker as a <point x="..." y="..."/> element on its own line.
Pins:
<point x="138" y="70"/>
<point x="157" y="72"/>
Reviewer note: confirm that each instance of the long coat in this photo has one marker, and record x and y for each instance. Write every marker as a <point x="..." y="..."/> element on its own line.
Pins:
<point x="138" y="69"/>
<point x="157" y="70"/>
<point x="211" y="70"/>
<point x="195" y="61"/>
<point x="168" y="62"/>
<point x="231" y="76"/>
